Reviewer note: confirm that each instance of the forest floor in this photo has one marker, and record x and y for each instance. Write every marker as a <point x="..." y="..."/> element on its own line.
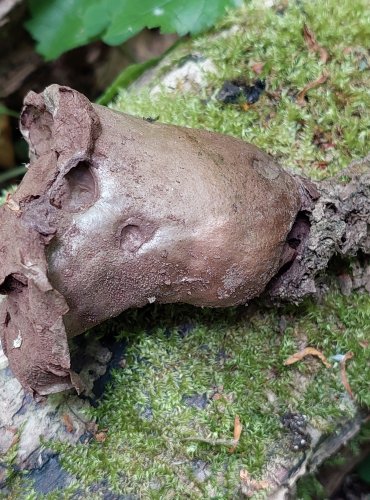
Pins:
<point x="190" y="381"/>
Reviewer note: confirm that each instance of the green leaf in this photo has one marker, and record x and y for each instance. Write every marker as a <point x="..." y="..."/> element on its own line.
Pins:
<point x="6" y="111"/>
<point x="57" y="25"/>
<point x="60" y="25"/>
<point x="124" y="79"/>
<point x="129" y="75"/>
<point x="12" y="173"/>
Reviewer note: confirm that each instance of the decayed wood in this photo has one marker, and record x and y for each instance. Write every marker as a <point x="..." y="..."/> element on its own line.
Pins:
<point x="331" y="476"/>
<point x="337" y="224"/>
<point x="282" y="473"/>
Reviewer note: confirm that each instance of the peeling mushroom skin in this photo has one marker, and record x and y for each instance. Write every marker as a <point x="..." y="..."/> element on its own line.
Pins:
<point x="116" y="212"/>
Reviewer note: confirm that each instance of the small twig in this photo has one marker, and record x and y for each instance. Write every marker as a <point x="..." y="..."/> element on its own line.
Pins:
<point x="213" y="442"/>
<point x="313" y="45"/>
<point x="308" y="351"/>
<point x="311" y="85"/>
<point x="343" y="373"/>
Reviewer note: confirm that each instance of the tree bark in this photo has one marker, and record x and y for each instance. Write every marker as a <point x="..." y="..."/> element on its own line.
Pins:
<point x="337" y="223"/>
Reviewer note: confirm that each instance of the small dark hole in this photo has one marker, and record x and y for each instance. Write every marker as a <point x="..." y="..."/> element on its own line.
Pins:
<point x="7" y="319"/>
<point x="294" y="242"/>
<point x="299" y="231"/>
<point x="11" y="284"/>
<point x="284" y="268"/>
<point x="331" y="208"/>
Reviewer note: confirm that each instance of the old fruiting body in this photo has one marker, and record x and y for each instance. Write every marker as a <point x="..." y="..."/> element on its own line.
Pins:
<point x="115" y="212"/>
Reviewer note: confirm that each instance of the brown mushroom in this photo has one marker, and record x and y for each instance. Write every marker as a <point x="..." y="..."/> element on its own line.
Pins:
<point x="115" y="212"/>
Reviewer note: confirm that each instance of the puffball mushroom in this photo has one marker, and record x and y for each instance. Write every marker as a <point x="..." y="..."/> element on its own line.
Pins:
<point x="115" y="212"/>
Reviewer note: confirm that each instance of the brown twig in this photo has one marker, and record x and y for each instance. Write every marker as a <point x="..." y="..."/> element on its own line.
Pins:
<point x="308" y="351"/>
<point x="313" y="45"/>
<point x="343" y="374"/>
<point x="311" y="85"/>
<point x="213" y="442"/>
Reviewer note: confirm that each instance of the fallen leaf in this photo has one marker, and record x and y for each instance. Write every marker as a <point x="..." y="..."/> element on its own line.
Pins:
<point x="313" y="45"/>
<point x="237" y="432"/>
<point x="101" y="436"/>
<point x="257" y="67"/>
<point x="343" y="374"/>
<point x="244" y="475"/>
<point x="364" y="343"/>
<point x="68" y="423"/>
<point x="217" y="396"/>
<point x="312" y="85"/>
<point x="308" y="351"/>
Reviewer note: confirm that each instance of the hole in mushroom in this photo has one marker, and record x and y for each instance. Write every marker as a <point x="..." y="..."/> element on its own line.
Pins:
<point x="331" y="208"/>
<point x="78" y="190"/>
<point x="13" y="283"/>
<point x="131" y="238"/>
<point x="294" y="242"/>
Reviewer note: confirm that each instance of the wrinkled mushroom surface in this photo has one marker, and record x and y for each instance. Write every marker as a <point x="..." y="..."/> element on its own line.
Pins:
<point x="115" y="212"/>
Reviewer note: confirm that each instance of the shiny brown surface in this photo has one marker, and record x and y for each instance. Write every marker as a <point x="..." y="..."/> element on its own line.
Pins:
<point x="116" y="212"/>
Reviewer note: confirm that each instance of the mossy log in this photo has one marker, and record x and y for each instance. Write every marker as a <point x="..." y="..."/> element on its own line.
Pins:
<point x="188" y="377"/>
<point x="116" y="212"/>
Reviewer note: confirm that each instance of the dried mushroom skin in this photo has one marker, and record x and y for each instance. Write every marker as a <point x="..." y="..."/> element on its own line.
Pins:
<point x="115" y="212"/>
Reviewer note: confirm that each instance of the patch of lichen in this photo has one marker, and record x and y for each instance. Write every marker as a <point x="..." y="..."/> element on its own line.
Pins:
<point x="233" y="361"/>
<point x="318" y="138"/>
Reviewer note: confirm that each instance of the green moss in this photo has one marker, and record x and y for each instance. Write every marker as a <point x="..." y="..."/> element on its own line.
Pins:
<point x="235" y="359"/>
<point x="309" y="487"/>
<point x="336" y="113"/>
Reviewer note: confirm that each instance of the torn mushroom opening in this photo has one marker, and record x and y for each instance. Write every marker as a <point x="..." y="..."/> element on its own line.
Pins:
<point x="77" y="190"/>
<point x="13" y="283"/>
